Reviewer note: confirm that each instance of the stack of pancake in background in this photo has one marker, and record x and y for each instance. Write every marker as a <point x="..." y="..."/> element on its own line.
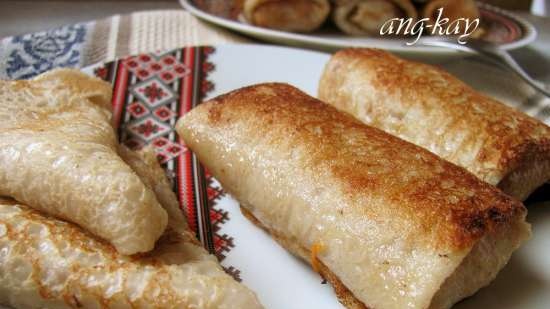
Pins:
<point x="353" y="17"/>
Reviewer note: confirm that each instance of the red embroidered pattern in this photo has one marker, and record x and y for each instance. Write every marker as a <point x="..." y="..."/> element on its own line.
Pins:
<point x="151" y="91"/>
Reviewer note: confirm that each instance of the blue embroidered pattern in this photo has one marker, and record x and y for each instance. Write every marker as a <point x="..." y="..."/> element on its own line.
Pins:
<point x="31" y="54"/>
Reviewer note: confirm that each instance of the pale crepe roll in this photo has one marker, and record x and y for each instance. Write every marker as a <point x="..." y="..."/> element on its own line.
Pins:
<point x="366" y="17"/>
<point x="387" y="223"/>
<point x="72" y="269"/>
<point x="48" y="263"/>
<point x="287" y="15"/>
<point x="58" y="154"/>
<point x="452" y="9"/>
<point x="431" y="108"/>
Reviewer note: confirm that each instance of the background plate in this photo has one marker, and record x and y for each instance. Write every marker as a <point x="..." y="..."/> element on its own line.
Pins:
<point x="151" y="91"/>
<point x="511" y="31"/>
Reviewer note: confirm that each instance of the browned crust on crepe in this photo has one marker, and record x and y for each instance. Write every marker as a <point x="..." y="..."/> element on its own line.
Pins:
<point x="344" y="295"/>
<point x="441" y="203"/>
<point x="503" y="140"/>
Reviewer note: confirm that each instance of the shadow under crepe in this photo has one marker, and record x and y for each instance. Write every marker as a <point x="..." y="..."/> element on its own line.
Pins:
<point x="525" y="281"/>
<point x="513" y="288"/>
<point x="541" y="195"/>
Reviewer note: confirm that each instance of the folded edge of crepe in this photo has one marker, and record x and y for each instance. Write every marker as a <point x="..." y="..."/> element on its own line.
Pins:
<point x="144" y="162"/>
<point x="58" y="154"/>
<point x="287" y="15"/>
<point x="435" y="110"/>
<point x="390" y="224"/>
<point x="45" y="262"/>
<point x="366" y="17"/>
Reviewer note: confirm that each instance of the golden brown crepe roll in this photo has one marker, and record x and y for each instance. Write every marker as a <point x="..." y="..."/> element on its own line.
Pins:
<point x="452" y="9"/>
<point x="429" y="107"/>
<point x="387" y="223"/>
<point x="48" y="263"/>
<point x="287" y="15"/>
<point x="366" y="17"/>
<point x="58" y="154"/>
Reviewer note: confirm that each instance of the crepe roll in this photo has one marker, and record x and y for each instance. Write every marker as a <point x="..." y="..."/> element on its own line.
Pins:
<point x="387" y="223"/>
<point x="48" y="263"/>
<point x="58" y="154"/>
<point x="451" y="9"/>
<point x="366" y="17"/>
<point x="433" y="109"/>
<point x="287" y="15"/>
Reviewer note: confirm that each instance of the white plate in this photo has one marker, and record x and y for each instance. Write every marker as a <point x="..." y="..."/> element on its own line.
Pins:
<point x="282" y="281"/>
<point x="279" y="279"/>
<point x="332" y="40"/>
